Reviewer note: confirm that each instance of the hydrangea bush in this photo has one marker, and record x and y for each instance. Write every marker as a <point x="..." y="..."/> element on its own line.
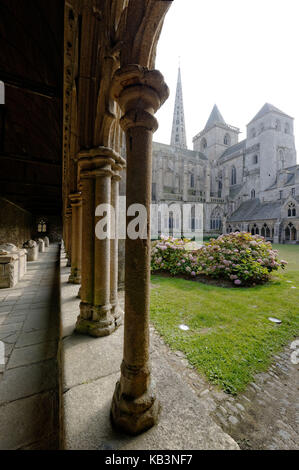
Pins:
<point x="240" y="257"/>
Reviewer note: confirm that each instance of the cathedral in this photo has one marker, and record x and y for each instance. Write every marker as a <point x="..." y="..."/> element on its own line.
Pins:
<point x="251" y="185"/>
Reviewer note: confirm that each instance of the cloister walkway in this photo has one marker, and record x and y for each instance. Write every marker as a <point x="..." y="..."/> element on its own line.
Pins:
<point x="29" y="328"/>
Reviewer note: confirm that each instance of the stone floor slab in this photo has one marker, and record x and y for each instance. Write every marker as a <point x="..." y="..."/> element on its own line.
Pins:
<point x="32" y="354"/>
<point x="28" y="380"/>
<point x="27" y="420"/>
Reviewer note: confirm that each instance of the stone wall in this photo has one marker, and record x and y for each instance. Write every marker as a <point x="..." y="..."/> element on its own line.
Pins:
<point x="15" y="223"/>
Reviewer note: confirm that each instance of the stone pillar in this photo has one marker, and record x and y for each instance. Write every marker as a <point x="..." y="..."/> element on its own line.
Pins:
<point x="97" y="167"/>
<point x="76" y="204"/>
<point x="115" y="308"/>
<point x="68" y="235"/>
<point x="140" y="93"/>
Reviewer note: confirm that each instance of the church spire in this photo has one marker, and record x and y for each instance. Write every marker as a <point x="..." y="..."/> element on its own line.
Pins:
<point x="178" y="134"/>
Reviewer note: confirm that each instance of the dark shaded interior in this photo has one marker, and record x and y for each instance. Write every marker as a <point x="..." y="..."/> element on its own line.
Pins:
<point x="31" y="67"/>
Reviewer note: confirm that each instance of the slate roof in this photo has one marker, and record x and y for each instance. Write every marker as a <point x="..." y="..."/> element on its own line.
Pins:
<point x="215" y="118"/>
<point x="172" y="149"/>
<point x="234" y="148"/>
<point x="255" y="210"/>
<point x="267" y="108"/>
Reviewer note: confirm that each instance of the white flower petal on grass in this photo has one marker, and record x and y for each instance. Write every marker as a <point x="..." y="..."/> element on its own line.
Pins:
<point x="274" y="320"/>
<point x="293" y="287"/>
<point x="184" y="327"/>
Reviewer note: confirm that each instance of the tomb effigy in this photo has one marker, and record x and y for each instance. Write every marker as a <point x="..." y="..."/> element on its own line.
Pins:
<point x="13" y="265"/>
<point x="41" y="245"/>
<point x="32" y="250"/>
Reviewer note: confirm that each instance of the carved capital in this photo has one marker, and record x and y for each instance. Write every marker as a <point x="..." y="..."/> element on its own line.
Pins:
<point x="99" y="161"/>
<point x="139" y="92"/>
<point x="68" y="212"/>
<point x="76" y="199"/>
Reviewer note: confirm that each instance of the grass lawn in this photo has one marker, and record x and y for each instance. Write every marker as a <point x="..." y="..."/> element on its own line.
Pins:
<point x="230" y="336"/>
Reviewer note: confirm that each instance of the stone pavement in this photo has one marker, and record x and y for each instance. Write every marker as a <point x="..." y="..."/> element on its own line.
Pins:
<point x="90" y="370"/>
<point x="265" y="417"/>
<point x="29" y="328"/>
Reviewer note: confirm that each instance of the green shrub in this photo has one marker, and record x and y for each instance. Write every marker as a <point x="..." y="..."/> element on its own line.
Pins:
<point x="240" y="257"/>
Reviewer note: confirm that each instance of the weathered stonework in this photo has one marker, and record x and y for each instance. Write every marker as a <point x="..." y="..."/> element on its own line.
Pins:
<point x="32" y="249"/>
<point x="12" y="265"/>
<point x="41" y="245"/>
<point x="99" y="311"/>
<point x="247" y="185"/>
<point x="139" y="92"/>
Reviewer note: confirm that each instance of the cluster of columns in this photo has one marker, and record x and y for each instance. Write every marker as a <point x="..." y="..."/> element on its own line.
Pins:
<point x="100" y="313"/>
<point x="139" y="93"/>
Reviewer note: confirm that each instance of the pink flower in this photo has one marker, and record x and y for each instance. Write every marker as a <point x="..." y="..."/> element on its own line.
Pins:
<point x="238" y="282"/>
<point x="193" y="273"/>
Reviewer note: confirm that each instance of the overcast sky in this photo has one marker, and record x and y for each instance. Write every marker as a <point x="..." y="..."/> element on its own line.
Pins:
<point x="238" y="54"/>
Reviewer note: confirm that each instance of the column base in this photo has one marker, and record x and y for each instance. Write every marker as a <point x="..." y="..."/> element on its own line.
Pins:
<point x="75" y="277"/>
<point x="97" y="328"/>
<point x="134" y="416"/>
<point x="118" y="314"/>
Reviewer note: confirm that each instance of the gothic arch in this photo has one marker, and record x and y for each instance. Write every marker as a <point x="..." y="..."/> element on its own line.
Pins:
<point x="233" y="175"/>
<point x="203" y="144"/>
<point x="227" y="140"/>
<point x="216" y="219"/>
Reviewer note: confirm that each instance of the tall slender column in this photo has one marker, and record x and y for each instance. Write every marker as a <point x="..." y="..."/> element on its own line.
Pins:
<point x="96" y="313"/>
<point x="140" y="93"/>
<point x="68" y="235"/>
<point x="115" y="308"/>
<point x="76" y="204"/>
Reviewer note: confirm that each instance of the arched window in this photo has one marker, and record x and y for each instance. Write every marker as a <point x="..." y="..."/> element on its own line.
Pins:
<point x="287" y="128"/>
<point x="171" y="224"/>
<point x="193" y="218"/>
<point x="192" y="181"/>
<point x="42" y="226"/>
<point x="291" y="210"/>
<point x="234" y="176"/>
<point x="255" y="159"/>
<point x="278" y="125"/>
<point x="281" y="159"/>
<point x="219" y="188"/>
<point x="253" y="194"/>
<point x="290" y="233"/>
<point x="216" y="219"/>
<point x="227" y="139"/>
<point x="203" y="144"/>
<point x="253" y="133"/>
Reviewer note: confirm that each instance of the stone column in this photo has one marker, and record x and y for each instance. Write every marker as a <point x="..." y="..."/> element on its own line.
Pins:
<point x="140" y="93"/>
<point x="96" y="313"/>
<point x="68" y="235"/>
<point x="76" y="204"/>
<point x="115" y="308"/>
